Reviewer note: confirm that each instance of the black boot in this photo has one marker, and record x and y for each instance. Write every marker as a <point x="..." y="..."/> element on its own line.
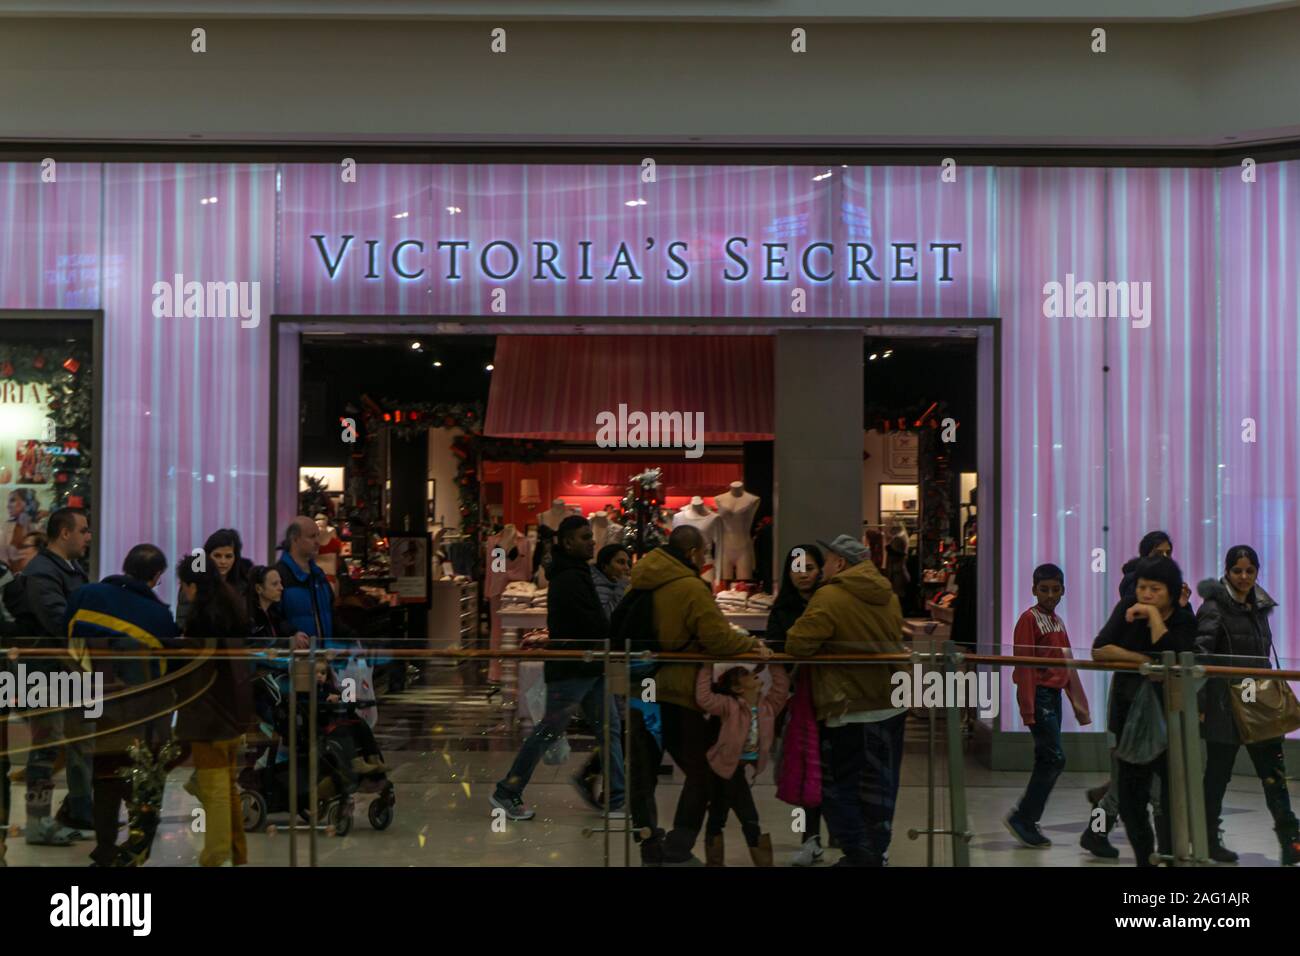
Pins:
<point x="1289" y="838"/>
<point x="1218" y="852"/>
<point x="1098" y="844"/>
<point x="652" y="849"/>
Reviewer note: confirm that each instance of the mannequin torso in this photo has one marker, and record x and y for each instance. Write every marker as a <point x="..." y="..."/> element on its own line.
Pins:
<point x="736" y="509"/>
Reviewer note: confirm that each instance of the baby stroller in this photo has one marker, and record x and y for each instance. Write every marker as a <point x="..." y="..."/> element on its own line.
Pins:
<point x="264" y="781"/>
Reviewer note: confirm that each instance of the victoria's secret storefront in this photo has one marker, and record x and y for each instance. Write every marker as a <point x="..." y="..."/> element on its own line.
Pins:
<point x="1094" y="430"/>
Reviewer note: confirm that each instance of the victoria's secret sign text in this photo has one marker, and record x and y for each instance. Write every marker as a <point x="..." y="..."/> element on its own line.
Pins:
<point x="546" y="261"/>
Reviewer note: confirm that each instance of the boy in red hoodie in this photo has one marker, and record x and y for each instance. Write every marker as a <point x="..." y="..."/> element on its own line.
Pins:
<point x="1040" y="633"/>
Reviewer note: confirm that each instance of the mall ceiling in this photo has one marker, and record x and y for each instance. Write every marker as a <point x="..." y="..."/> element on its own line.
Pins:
<point x="1205" y="79"/>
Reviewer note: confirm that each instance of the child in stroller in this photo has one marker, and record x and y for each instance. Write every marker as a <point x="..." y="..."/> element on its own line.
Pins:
<point x="348" y="759"/>
<point x="339" y="721"/>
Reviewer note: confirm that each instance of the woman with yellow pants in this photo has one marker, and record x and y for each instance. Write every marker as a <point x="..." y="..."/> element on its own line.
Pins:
<point x="215" y="723"/>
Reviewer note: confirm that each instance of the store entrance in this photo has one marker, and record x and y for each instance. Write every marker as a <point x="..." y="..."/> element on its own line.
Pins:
<point x="424" y="447"/>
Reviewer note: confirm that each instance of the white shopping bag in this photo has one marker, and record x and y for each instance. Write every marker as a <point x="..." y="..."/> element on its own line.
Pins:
<point x="358" y="669"/>
<point x="534" y="700"/>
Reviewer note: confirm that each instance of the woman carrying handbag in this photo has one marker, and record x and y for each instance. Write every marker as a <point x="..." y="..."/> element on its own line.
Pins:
<point x="1233" y="631"/>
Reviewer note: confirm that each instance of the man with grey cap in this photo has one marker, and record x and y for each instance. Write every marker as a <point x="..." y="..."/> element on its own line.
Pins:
<point x="855" y="612"/>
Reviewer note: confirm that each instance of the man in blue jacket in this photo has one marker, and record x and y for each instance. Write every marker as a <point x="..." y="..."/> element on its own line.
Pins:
<point x="122" y="613"/>
<point x="308" y="599"/>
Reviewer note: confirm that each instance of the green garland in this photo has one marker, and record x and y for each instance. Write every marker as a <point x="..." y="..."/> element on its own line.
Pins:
<point x="65" y="373"/>
<point x="407" y="420"/>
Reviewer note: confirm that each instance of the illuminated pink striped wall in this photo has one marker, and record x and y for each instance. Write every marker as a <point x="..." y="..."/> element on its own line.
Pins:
<point x="1090" y="458"/>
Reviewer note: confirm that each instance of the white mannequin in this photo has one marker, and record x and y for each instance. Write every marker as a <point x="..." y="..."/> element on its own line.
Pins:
<point x="599" y="530"/>
<point x="700" y="516"/>
<point x="736" y="509"/>
<point x="554" y="515"/>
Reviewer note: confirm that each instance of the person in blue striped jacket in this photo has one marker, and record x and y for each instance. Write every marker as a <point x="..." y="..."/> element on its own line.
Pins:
<point x="122" y="612"/>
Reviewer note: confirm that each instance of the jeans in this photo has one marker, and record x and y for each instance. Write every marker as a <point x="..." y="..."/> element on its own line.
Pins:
<point x="644" y="758"/>
<point x="1267" y="758"/>
<point x="215" y="771"/>
<point x="1049" y="758"/>
<point x="1135" y="791"/>
<point x="47" y="727"/>
<point x="688" y="735"/>
<point x="40" y="766"/>
<point x="563" y="699"/>
<point x="860" y="786"/>
<point x="734" y="795"/>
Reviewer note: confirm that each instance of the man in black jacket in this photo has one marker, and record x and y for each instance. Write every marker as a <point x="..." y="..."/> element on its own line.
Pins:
<point x="51" y="577"/>
<point x="576" y="622"/>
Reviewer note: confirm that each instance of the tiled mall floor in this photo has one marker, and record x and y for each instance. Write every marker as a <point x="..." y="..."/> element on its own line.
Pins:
<point x="447" y="747"/>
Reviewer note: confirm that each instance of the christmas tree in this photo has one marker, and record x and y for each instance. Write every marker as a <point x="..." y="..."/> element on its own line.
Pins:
<point x="644" y="519"/>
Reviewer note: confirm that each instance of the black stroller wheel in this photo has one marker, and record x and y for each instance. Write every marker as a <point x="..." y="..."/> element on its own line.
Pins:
<point x="252" y="806"/>
<point x="340" y="817"/>
<point x="380" y="814"/>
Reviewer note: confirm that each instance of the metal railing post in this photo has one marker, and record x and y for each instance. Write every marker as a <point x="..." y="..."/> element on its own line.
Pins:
<point x="606" y="758"/>
<point x="293" y="760"/>
<point x="1189" y="673"/>
<point x="961" y="835"/>
<point x="313" y="794"/>
<point x="931" y="738"/>
<point x="1176" y="778"/>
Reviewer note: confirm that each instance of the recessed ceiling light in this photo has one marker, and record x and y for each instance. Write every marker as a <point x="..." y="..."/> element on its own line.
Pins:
<point x="415" y="346"/>
<point x="872" y="357"/>
<point x="635" y="202"/>
<point x="437" y="364"/>
<point x="453" y="209"/>
<point x="402" y="215"/>
<point x="489" y="366"/>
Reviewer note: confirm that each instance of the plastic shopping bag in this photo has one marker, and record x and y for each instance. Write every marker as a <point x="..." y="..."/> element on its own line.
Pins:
<point x="362" y="675"/>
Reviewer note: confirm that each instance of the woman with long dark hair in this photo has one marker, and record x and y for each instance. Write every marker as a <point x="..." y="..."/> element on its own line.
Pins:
<point x="1232" y="630"/>
<point x="215" y="723"/>
<point x="224" y="552"/>
<point x="799" y="776"/>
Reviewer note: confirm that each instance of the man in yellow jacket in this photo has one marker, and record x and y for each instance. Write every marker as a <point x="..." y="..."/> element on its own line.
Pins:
<point x="855" y="612"/>
<point x="686" y="619"/>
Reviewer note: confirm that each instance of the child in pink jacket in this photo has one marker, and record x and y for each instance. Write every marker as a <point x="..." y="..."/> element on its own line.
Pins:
<point x="734" y="694"/>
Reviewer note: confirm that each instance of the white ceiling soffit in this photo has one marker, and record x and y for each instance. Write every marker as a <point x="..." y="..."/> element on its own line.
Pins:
<point x="793" y="11"/>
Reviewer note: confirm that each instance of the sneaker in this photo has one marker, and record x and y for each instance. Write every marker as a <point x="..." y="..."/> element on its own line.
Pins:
<point x="586" y="792"/>
<point x="1027" y="833"/>
<point x="810" y="854"/>
<point x="1098" y="844"/>
<point x="513" y="806"/>
<point x="191" y="785"/>
<point x="691" y="860"/>
<point x="43" y="831"/>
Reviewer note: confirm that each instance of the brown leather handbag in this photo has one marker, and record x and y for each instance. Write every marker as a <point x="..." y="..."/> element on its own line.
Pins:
<point x="1273" y="713"/>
